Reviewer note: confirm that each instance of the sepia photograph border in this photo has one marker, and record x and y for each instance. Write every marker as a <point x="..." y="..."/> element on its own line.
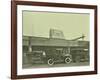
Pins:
<point x="14" y="39"/>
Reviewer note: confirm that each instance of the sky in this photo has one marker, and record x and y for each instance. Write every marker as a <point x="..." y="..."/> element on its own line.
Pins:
<point x="38" y="24"/>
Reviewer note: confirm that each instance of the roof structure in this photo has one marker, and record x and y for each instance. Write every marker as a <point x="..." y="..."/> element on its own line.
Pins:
<point x="42" y="41"/>
<point x="56" y="38"/>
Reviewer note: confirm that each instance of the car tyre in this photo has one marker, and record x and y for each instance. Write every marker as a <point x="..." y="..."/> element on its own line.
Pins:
<point x="68" y="60"/>
<point x="50" y="62"/>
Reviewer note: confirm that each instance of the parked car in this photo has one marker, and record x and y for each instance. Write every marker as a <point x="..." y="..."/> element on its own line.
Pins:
<point x="50" y="56"/>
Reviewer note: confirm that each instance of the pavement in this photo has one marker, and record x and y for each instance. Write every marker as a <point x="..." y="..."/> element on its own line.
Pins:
<point x="43" y="65"/>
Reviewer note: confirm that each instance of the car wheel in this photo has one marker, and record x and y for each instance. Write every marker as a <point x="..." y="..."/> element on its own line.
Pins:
<point x="50" y="62"/>
<point x="68" y="60"/>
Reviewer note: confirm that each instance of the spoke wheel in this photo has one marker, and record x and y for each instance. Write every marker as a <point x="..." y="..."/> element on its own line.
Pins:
<point x="68" y="60"/>
<point x="50" y="62"/>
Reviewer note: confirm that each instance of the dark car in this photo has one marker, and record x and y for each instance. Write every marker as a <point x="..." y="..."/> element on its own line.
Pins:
<point x="50" y="56"/>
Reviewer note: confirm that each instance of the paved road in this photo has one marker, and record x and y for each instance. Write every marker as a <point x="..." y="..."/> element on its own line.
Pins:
<point x="55" y="65"/>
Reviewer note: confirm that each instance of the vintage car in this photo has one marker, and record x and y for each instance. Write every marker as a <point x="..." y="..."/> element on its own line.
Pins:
<point x="50" y="56"/>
